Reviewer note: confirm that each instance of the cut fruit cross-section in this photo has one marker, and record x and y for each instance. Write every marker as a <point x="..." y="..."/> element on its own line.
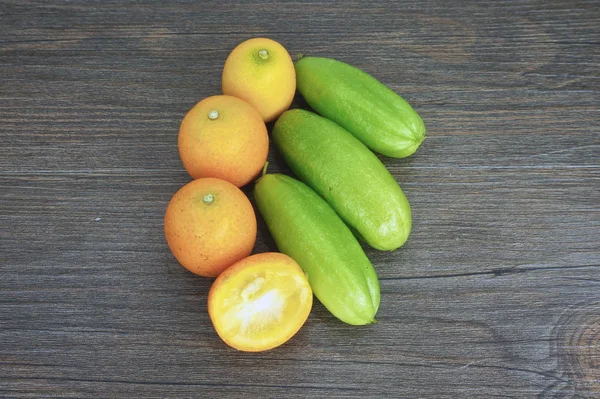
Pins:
<point x="260" y="302"/>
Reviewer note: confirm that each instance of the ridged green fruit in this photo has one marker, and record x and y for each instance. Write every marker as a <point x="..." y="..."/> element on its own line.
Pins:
<point x="347" y="174"/>
<point x="376" y="115"/>
<point x="308" y="230"/>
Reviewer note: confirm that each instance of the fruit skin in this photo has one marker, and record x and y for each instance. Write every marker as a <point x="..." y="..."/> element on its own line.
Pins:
<point x="358" y="102"/>
<point x="256" y="265"/>
<point x="349" y="176"/>
<point x="232" y="146"/>
<point x="268" y="83"/>
<point x="306" y="228"/>
<point x="207" y="238"/>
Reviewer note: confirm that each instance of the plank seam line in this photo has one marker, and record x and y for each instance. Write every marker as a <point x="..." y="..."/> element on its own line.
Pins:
<point x="493" y="272"/>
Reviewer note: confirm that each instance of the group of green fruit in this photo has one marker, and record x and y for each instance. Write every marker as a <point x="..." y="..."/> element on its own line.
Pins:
<point x="348" y="193"/>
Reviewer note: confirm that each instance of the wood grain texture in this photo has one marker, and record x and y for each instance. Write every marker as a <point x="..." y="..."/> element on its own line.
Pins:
<point x="496" y="293"/>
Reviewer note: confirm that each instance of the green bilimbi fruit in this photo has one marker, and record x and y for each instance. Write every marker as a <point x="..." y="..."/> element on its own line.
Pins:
<point x="347" y="175"/>
<point x="376" y="115"/>
<point x="308" y="230"/>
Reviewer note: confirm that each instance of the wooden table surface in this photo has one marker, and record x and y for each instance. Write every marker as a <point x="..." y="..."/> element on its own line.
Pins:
<point x="496" y="293"/>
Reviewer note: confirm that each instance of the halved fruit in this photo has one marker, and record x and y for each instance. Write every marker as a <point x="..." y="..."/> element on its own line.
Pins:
<point x="260" y="302"/>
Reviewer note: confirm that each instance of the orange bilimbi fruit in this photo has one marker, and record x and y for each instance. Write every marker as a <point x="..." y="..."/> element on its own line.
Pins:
<point x="261" y="72"/>
<point x="223" y="137"/>
<point x="209" y="225"/>
<point x="260" y="302"/>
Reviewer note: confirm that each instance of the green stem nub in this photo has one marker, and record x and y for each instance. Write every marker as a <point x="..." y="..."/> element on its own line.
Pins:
<point x="214" y="114"/>
<point x="208" y="199"/>
<point x="264" y="54"/>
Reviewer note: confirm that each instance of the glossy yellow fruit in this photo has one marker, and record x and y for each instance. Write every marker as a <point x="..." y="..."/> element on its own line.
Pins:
<point x="261" y="72"/>
<point x="260" y="302"/>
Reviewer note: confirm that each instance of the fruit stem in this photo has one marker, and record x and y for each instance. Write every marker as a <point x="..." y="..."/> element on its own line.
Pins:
<point x="263" y="53"/>
<point x="264" y="170"/>
<point x="208" y="199"/>
<point x="214" y="114"/>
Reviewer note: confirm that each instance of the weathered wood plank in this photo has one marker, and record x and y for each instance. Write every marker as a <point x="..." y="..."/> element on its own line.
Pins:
<point x="443" y="337"/>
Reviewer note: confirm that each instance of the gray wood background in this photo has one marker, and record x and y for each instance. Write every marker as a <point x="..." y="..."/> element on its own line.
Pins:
<point x="496" y="294"/>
